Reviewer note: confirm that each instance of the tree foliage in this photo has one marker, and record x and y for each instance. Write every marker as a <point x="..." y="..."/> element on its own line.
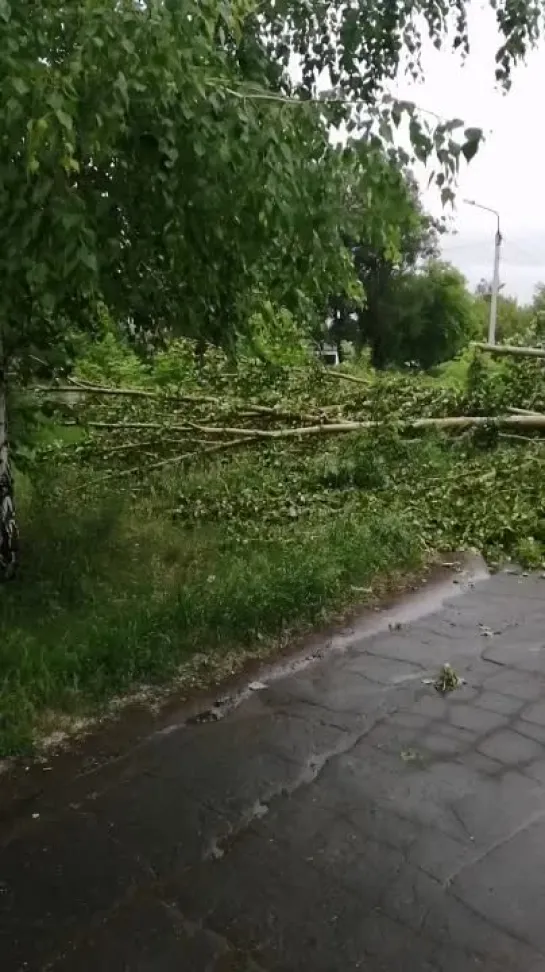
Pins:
<point x="538" y="311"/>
<point x="158" y="158"/>
<point x="421" y="316"/>
<point x="361" y="43"/>
<point x="513" y="321"/>
<point x="436" y="318"/>
<point x="384" y="267"/>
<point x="129" y="175"/>
<point x="149" y="157"/>
<point x="360" y="46"/>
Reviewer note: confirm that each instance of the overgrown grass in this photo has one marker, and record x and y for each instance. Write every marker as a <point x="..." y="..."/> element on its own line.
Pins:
<point x="114" y="594"/>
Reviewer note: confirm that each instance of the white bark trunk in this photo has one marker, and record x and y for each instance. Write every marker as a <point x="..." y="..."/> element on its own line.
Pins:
<point x="513" y="349"/>
<point x="8" y="526"/>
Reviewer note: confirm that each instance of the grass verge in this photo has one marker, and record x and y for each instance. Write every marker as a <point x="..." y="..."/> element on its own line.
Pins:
<point x="112" y="597"/>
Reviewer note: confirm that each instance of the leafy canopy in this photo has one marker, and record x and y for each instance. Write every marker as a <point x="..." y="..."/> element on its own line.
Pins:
<point x="156" y="155"/>
<point x="436" y="316"/>
<point x="129" y="175"/>
<point x="361" y="43"/>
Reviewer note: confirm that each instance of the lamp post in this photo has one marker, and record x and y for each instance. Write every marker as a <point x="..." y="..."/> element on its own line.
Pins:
<point x="496" y="274"/>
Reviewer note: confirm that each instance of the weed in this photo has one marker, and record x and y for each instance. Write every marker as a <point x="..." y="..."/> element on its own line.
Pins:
<point x="447" y="680"/>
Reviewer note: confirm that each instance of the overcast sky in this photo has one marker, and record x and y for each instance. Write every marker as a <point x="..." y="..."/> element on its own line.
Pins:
<point x="508" y="172"/>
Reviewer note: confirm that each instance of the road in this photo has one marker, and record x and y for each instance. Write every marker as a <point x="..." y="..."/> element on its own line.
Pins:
<point x="343" y="816"/>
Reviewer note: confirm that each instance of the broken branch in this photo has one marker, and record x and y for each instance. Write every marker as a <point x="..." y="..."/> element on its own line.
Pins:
<point x="502" y="349"/>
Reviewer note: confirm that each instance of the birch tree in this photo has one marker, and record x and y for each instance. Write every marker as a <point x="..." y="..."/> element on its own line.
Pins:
<point x="156" y="156"/>
<point x="130" y="176"/>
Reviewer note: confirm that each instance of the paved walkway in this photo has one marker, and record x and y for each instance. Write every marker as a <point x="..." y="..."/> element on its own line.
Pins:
<point x="345" y="817"/>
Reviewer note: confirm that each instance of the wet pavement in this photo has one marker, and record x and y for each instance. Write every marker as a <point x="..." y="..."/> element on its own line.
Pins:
<point x="343" y="816"/>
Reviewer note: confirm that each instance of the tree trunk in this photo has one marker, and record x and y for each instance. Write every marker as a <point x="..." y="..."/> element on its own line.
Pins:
<point x="8" y="526"/>
<point x="513" y="349"/>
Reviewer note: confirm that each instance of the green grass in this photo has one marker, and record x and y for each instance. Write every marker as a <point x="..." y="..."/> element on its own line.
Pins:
<point x="118" y="592"/>
<point x="184" y="575"/>
<point x="113" y="594"/>
<point x="454" y="373"/>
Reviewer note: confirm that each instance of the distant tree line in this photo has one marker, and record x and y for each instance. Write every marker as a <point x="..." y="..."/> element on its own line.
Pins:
<point x="417" y="310"/>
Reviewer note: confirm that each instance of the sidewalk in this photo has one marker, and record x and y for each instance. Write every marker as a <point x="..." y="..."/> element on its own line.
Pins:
<point x="345" y="817"/>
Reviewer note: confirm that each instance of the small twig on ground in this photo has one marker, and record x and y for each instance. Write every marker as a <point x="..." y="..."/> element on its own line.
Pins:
<point x="145" y="444"/>
<point x="126" y="425"/>
<point x="520" y="438"/>
<point x="169" y="461"/>
<point x="242" y="406"/>
<point x="346" y="377"/>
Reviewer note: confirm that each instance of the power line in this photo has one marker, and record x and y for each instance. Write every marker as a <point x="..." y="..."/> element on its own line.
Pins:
<point x="465" y="246"/>
<point x="536" y="260"/>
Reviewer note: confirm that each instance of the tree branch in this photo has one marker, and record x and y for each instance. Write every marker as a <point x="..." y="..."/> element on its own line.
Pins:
<point x="512" y="349"/>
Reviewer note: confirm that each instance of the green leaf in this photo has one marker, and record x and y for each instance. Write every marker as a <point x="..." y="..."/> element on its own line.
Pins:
<point x="447" y="195"/>
<point x="88" y="259"/>
<point x="473" y="134"/>
<point x="56" y="100"/>
<point x="64" y="118"/>
<point x="122" y="87"/>
<point x="473" y="138"/>
<point x="452" y="125"/>
<point x="69" y="221"/>
<point x="21" y="86"/>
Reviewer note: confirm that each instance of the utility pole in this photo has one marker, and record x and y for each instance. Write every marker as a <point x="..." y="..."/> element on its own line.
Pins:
<point x="496" y="273"/>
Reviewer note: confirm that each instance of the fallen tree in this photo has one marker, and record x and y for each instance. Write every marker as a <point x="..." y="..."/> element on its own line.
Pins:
<point x="233" y="501"/>
<point x="173" y="426"/>
<point x="511" y="349"/>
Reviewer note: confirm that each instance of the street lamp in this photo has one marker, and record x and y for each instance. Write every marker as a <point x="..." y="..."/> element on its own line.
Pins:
<point x="496" y="274"/>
